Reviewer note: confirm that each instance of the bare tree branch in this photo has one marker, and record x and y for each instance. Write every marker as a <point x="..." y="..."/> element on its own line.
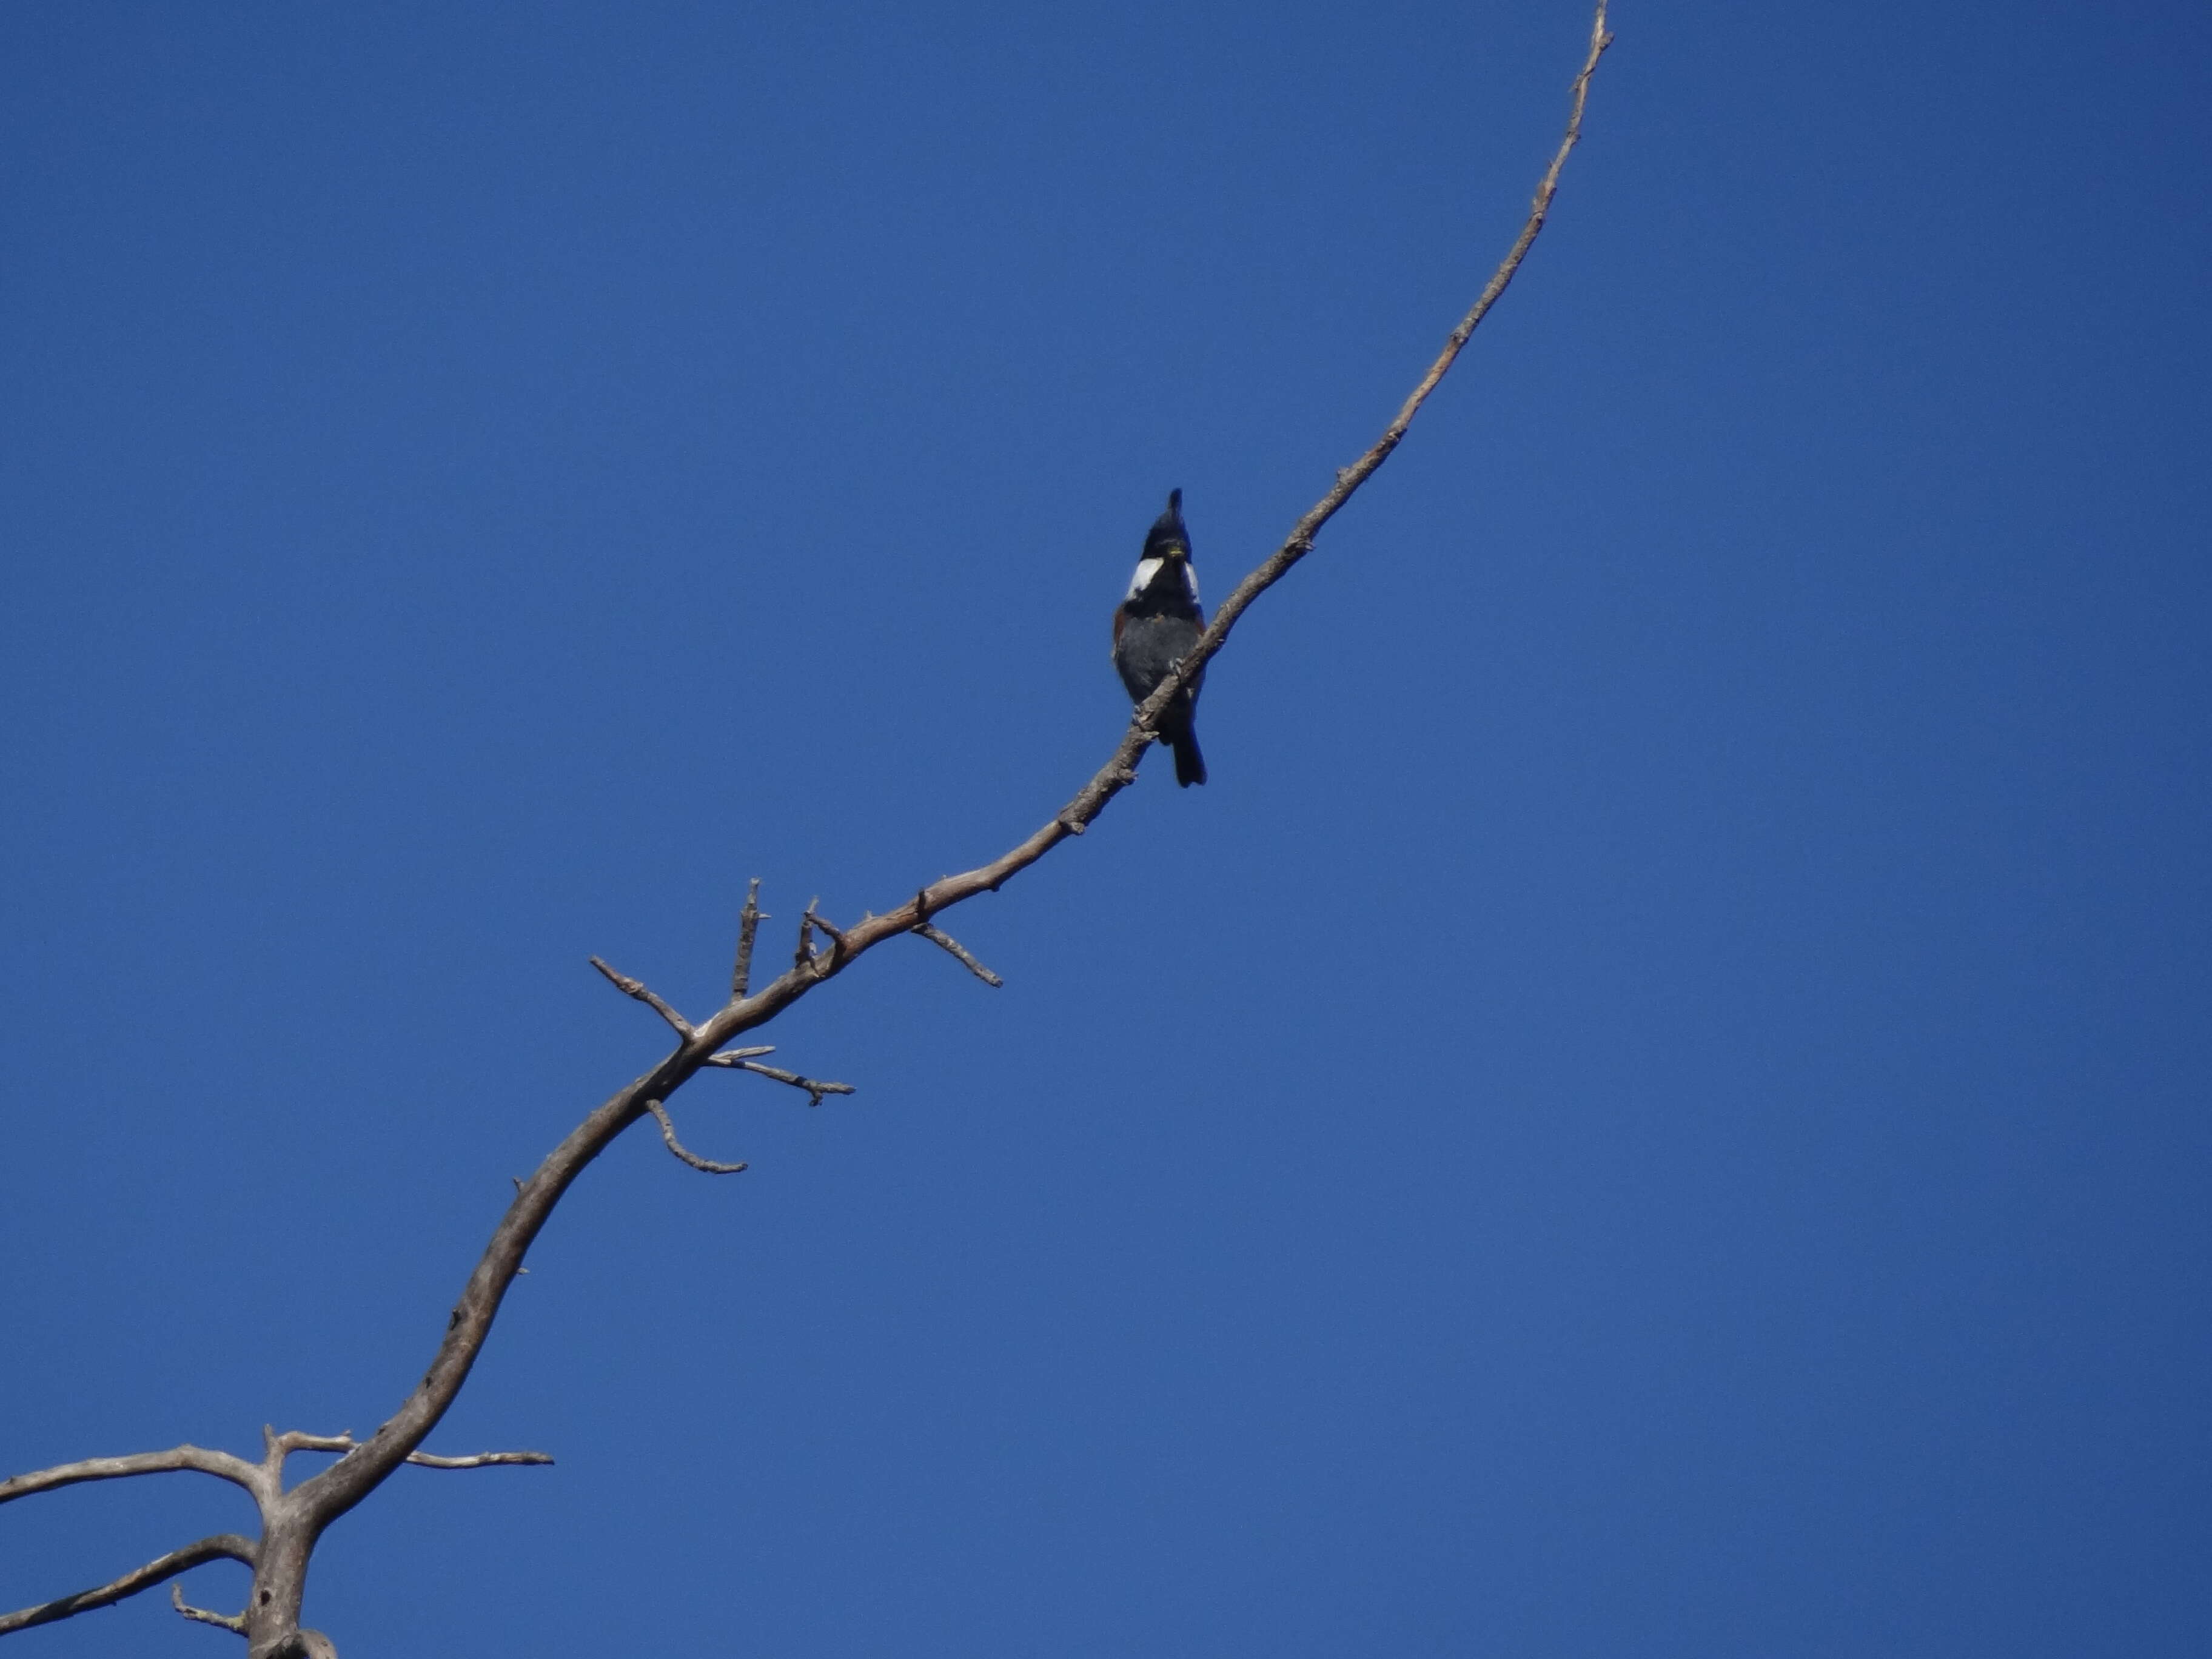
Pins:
<point x="232" y="1622"/>
<point x="224" y="1545"/>
<point x="749" y="921"/>
<point x="292" y="1440"/>
<point x="733" y="1058"/>
<point x="944" y="940"/>
<point x="197" y="1459"/>
<point x="337" y="1489"/>
<point x="637" y="987"/>
<point x="480" y="1459"/>
<point x="293" y="1521"/>
<point x="668" y="1134"/>
<point x="815" y="1089"/>
<point x="838" y="944"/>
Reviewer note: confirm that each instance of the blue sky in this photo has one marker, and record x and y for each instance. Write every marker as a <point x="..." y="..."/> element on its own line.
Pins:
<point x="1657" y="1101"/>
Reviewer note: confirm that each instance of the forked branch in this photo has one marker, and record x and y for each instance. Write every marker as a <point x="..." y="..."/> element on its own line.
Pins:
<point x="224" y="1545"/>
<point x="232" y="1622"/>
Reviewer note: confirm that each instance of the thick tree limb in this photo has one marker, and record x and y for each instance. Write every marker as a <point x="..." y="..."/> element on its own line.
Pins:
<point x="224" y="1545"/>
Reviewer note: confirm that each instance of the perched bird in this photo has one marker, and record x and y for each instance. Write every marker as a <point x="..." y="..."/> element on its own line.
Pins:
<point x="1154" y="628"/>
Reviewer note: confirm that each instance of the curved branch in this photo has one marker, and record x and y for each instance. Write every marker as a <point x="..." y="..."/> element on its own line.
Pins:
<point x="706" y="1165"/>
<point x="232" y="1622"/>
<point x="195" y="1459"/>
<point x="224" y="1546"/>
<point x="337" y="1489"/>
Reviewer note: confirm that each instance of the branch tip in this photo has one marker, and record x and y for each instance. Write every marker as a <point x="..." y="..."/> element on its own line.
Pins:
<point x="480" y="1459"/>
<point x="730" y="1057"/>
<point x="668" y="1134"/>
<point x="815" y="1088"/>
<point x="749" y="921"/>
<point x="944" y="941"/>
<point x="638" y="989"/>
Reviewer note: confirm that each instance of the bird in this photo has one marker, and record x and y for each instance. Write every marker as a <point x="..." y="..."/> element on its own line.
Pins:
<point x="1155" y="626"/>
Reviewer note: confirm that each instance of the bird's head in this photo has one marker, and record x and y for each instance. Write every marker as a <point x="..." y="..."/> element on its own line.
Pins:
<point x="1167" y="559"/>
<point x="1167" y="538"/>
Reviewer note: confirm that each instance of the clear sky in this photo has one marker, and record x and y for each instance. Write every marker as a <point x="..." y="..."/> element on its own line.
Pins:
<point x="1658" y="1103"/>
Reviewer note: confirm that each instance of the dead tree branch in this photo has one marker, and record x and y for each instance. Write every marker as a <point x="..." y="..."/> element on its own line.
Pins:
<point x="196" y="1459"/>
<point x="292" y="1441"/>
<point x="479" y="1460"/>
<point x="815" y="1089"/>
<point x="749" y="921"/>
<point x="944" y="941"/>
<point x="293" y="1521"/>
<point x="668" y="1134"/>
<point x="224" y="1545"/>
<point x="638" y="989"/>
<point x="733" y="1058"/>
<point x="232" y="1622"/>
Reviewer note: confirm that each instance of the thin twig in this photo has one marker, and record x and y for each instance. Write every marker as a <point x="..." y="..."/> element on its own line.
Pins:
<point x="668" y="1134"/>
<point x="292" y="1440"/>
<point x="815" y="1089"/>
<point x="637" y="987"/>
<point x="232" y="1622"/>
<point x="479" y="1460"/>
<point x="737" y="1056"/>
<point x="749" y="921"/>
<point x="224" y="1545"/>
<point x="838" y="942"/>
<point x="944" y="940"/>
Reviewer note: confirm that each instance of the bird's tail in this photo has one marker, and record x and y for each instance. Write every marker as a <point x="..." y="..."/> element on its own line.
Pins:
<point x="1190" y="765"/>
